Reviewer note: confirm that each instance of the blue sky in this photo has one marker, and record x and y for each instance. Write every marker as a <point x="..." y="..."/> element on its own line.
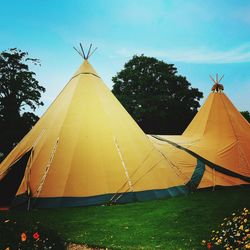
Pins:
<point x="199" y="37"/>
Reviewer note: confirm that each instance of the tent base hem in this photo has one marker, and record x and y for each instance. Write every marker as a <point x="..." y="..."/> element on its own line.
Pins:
<point x="21" y="201"/>
<point x="56" y="202"/>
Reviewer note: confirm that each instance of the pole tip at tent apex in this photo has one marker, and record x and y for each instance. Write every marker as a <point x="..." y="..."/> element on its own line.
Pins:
<point x="217" y="87"/>
<point x="82" y="53"/>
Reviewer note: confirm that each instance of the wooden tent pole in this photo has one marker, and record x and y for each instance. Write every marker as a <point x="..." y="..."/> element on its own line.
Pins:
<point x="84" y="56"/>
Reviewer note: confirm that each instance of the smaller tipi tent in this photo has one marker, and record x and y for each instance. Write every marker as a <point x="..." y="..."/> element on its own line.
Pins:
<point x="220" y="137"/>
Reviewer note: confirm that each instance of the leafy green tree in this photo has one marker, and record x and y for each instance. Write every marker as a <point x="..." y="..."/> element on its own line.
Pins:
<point x="246" y="115"/>
<point x="19" y="90"/>
<point x="161" y="101"/>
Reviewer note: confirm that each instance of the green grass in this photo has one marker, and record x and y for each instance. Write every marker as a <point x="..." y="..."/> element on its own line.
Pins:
<point x="177" y="223"/>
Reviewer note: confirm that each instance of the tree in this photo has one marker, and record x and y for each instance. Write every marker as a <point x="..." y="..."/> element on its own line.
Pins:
<point x="19" y="90"/>
<point x="246" y="115"/>
<point x="160" y="101"/>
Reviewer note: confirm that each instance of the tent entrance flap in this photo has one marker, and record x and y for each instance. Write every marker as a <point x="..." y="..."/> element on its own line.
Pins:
<point x="11" y="182"/>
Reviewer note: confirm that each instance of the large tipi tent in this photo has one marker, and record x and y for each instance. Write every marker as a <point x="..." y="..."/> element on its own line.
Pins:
<point x="86" y="150"/>
<point x="219" y="136"/>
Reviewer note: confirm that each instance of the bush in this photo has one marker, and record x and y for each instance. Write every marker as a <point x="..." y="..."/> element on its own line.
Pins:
<point x="233" y="233"/>
<point x="16" y="235"/>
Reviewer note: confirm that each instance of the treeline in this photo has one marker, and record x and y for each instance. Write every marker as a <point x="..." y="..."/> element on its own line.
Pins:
<point x="19" y="91"/>
<point x="159" y="99"/>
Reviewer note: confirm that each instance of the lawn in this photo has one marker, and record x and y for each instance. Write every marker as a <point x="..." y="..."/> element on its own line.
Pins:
<point x="176" y="223"/>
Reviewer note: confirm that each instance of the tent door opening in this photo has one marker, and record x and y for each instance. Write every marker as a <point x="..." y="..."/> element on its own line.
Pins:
<point x="11" y="182"/>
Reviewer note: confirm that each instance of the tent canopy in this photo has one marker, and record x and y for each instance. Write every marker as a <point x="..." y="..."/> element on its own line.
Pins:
<point x="86" y="149"/>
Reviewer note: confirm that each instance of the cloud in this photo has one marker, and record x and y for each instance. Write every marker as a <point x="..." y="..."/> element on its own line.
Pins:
<point x="194" y="55"/>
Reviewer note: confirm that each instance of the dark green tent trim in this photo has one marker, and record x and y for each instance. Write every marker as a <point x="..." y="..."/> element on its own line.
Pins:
<point x="197" y="175"/>
<point x="105" y="199"/>
<point x="117" y="198"/>
<point x="56" y="202"/>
